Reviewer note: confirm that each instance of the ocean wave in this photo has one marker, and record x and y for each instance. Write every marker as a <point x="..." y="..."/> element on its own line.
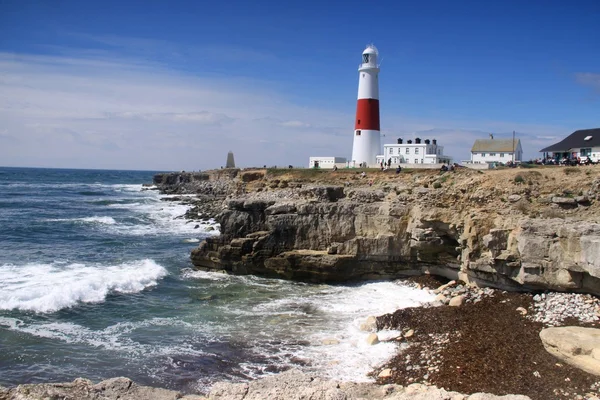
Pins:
<point x="95" y="219"/>
<point x="51" y="287"/>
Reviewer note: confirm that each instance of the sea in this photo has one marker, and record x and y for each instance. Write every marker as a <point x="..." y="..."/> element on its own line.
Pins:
<point x="96" y="282"/>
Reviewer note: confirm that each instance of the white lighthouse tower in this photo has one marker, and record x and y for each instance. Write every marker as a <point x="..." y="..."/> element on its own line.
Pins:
<point x="366" y="125"/>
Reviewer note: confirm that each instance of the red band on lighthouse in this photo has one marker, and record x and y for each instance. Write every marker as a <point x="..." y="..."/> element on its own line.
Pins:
<point x="367" y="114"/>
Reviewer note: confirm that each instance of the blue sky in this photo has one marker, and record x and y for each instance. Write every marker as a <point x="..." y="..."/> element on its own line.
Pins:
<point x="175" y="85"/>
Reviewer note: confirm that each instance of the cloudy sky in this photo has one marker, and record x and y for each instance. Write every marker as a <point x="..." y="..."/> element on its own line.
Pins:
<point x="176" y="85"/>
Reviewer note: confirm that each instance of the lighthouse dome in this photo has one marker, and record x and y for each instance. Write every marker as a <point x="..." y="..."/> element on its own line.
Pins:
<point x="369" y="56"/>
<point x="371" y="49"/>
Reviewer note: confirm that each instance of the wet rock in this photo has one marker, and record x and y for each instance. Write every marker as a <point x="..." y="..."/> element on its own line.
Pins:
<point x="369" y="325"/>
<point x="372" y="339"/>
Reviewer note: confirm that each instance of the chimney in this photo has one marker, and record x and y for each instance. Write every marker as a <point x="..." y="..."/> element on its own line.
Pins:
<point x="434" y="141"/>
<point x="399" y="140"/>
<point x="409" y="141"/>
<point x="427" y="141"/>
<point x="418" y="141"/>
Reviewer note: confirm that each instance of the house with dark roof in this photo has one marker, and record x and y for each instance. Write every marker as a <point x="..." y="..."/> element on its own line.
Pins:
<point x="582" y="144"/>
<point x="488" y="151"/>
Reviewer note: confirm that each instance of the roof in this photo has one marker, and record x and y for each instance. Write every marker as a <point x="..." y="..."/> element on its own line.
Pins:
<point x="495" y="145"/>
<point x="576" y="140"/>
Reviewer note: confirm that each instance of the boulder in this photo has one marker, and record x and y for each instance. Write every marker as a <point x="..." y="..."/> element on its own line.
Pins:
<point x="372" y="339"/>
<point x="574" y="345"/>
<point x="513" y="198"/>
<point x="456" y="301"/>
<point x="369" y="325"/>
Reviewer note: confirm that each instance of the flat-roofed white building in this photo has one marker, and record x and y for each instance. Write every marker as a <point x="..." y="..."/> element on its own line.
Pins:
<point x="327" y="162"/>
<point x="417" y="152"/>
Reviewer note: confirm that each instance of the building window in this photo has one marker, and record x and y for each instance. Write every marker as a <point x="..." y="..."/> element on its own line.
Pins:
<point x="482" y="154"/>
<point x="585" y="152"/>
<point x="492" y="154"/>
<point x="501" y="155"/>
<point x="357" y="133"/>
<point x="407" y="150"/>
<point x="416" y="150"/>
<point x="391" y="150"/>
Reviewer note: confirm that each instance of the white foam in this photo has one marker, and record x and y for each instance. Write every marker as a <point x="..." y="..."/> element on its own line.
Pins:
<point x="335" y="312"/>
<point x="51" y="287"/>
<point x="163" y="218"/>
<point x="211" y="276"/>
<point x="114" y="337"/>
<point x="91" y="220"/>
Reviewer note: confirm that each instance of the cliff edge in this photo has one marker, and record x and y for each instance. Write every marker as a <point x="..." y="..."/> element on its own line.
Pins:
<point x="516" y="229"/>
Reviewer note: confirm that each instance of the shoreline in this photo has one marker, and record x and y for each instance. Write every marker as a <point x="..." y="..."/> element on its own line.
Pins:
<point x="511" y="362"/>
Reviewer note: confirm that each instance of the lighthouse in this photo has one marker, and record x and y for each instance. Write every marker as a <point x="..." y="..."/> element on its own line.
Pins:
<point x="366" y="124"/>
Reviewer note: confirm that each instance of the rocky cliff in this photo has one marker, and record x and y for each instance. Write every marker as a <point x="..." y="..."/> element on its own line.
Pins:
<point x="514" y="229"/>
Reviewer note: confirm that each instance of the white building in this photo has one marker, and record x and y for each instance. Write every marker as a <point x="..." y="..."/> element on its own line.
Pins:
<point x="419" y="152"/>
<point x="486" y="151"/>
<point x="327" y="162"/>
<point x="583" y="143"/>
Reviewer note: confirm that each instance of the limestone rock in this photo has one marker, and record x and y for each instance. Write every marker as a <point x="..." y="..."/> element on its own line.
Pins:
<point x="574" y="345"/>
<point x="386" y="373"/>
<point x="456" y="301"/>
<point x="564" y="201"/>
<point x="372" y="339"/>
<point x="294" y="384"/>
<point x="409" y="333"/>
<point x="83" y="389"/>
<point x="369" y="325"/>
<point x="514" y="198"/>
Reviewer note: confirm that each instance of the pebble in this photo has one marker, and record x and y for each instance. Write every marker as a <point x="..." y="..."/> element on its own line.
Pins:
<point x="553" y="308"/>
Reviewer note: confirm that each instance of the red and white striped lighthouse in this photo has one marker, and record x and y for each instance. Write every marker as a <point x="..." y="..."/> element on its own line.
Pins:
<point x="366" y="125"/>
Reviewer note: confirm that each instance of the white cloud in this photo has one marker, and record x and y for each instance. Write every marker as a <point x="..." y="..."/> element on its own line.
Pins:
<point x="92" y="110"/>
<point x="588" y="79"/>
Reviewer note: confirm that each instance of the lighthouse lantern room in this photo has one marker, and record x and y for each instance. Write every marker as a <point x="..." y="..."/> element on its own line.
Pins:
<point x="366" y="125"/>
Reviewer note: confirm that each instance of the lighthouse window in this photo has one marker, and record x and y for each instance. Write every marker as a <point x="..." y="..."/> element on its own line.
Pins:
<point x="366" y="58"/>
<point x="357" y="133"/>
<point x="358" y="122"/>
